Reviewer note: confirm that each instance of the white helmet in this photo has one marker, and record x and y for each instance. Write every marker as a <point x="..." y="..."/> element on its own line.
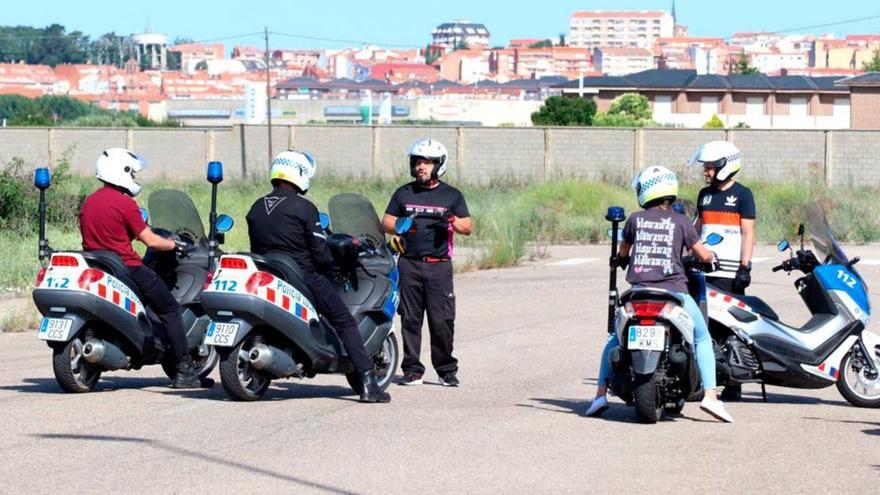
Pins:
<point x="117" y="166"/>
<point x="722" y="155"/>
<point x="296" y="167"/>
<point x="430" y="149"/>
<point x="655" y="183"/>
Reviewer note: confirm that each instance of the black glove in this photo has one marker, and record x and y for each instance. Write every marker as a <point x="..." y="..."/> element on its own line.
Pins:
<point x="690" y="262"/>
<point x="742" y="279"/>
<point x="181" y="248"/>
<point x="623" y="261"/>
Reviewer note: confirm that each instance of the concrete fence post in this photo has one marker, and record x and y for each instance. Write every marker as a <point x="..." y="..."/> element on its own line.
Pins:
<point x="729" y="135"/>
<point x="548" y="158"/>
<point x="375" y="168"/>
<point x="241" y="138"/>
<point x="638" y="150"/>
<point x="129" y="139"/>
<point x="51" y="147"/>
<point x="459" y="154"/>
<point x="829" y="158"/>
<point x="209" y="146"/>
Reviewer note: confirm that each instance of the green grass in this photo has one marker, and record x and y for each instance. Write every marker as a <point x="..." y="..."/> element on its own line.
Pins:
<point x="508" y="217"/>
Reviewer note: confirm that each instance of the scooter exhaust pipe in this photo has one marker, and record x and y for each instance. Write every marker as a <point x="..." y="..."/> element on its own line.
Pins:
<point x="104" y="354"/>
<point x="272" y="360"/>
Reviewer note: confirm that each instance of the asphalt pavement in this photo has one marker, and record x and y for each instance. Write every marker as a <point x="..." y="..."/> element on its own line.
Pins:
<point x="528" y="340"/>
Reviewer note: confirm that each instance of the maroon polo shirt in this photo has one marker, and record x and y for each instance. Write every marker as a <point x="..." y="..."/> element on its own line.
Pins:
<point x="109" y="220"/>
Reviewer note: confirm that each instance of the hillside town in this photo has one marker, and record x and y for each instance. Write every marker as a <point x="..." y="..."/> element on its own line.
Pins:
<point x="462" y="75"/>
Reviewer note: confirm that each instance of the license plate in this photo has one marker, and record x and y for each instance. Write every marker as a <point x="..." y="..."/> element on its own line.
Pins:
<point x="647" y="338"/>
<point x="55" y="329"/>
<point x="221" y="334"/>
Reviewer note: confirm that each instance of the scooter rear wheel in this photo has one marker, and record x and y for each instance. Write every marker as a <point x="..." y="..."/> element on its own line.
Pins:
<point x="72" y="372"/>
<point x="385" y="366"/>
<point x="240" y="380"/>
<point x="855" y="385"/>
<point x="648" y="407"/>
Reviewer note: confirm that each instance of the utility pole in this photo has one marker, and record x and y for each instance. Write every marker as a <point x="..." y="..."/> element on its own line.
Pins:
<point x="268" y="96"/>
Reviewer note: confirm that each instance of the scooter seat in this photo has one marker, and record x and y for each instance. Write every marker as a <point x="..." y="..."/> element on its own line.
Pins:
<point x="287" y="268"/>
<point x="112" y="264"/>
<point x="756" y="303"/>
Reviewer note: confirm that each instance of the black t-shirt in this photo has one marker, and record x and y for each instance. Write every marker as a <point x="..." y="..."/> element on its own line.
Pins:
<point x="722" y="212"/>
<point x="285" y="222"/>
<point x="432" y="235"/>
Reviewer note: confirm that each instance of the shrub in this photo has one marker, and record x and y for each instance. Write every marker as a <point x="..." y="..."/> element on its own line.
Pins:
<point x="558" y="110"/>
<point x="714" y="123"/>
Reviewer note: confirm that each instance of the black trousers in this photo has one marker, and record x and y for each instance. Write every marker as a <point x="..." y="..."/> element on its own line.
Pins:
<point x="329" y="304"/>
<point x="427" y="287"/>
<point x="159" y="298"/>
<point x="725" y="284"/>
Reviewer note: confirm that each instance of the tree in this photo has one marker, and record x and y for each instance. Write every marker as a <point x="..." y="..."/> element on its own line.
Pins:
<point x="714" y="123"/>
<point x="432" y="54"/>
<point x="633" y="105"/>
<point x="110" y="49"/>
<point x="51" y="45"/>
<point x="542" y="44"/>
<point x="558" y="110"/>
<point x="562" y="39"/>
<point x="874" y="64"/>
<point x="743" y="66"/>
<point x="460" y="44"/>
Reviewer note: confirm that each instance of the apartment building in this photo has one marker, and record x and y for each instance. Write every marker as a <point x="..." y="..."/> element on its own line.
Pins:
<point x="452" y="35"/>
<point x="622" y="61"/>
<point x="534" y="63"/>
<point x="617" y="29"/>
<point x="193" y="53"/>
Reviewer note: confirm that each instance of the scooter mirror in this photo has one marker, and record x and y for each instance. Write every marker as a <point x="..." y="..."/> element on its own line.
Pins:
<point x="224" y="223"/>
<point x="215" y="172"/>
<point x="714" y="239"/>
<point x="615" y="214"/>
<point x="619" y="234"/>
<point x="325" y="220"/>
<point x="783" y="246"/>
<point x="42" y="178"/>
<point x="145" y="214"/>
<point x="678" y="207"/>
<point x="403" y="224"/>
<point x="800" y="229"/>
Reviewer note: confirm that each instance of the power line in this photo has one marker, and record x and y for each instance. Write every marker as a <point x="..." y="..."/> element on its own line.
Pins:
<point x="824" y="25"/>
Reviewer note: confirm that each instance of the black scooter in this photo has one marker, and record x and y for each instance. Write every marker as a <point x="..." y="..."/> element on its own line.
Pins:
<point x="264" y="322"/>
<point x="93" y="317"/>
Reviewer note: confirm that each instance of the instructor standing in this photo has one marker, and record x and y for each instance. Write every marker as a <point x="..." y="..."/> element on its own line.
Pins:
<point x="439" y="211"/>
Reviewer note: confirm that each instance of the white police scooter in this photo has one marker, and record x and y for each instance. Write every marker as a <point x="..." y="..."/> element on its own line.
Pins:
<point x="93" y="317"/>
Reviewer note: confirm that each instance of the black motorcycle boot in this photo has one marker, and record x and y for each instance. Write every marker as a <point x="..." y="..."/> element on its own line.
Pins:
<point x="186" y="377"/>
<point x="370" y="391"/>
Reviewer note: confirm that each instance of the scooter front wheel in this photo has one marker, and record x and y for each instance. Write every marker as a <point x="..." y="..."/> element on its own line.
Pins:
<point x="855" y="382"/>
<point x="72" y="372"/>
<point x="385" y="365"/>
<point x="203" y="365"/>
<point x="240" y="380"/>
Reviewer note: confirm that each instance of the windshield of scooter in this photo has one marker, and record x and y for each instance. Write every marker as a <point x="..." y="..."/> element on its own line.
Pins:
<point x="354" y="215"/>
<point x="823" y="240"/>
<point x="175" y="212"/>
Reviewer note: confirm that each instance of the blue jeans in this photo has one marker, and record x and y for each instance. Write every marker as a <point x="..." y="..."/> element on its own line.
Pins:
<point x="702" y="342"/>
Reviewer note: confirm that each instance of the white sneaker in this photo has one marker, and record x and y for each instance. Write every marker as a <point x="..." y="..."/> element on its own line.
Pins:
<point x="715" y="408"/>
<point x="597" y="407"/>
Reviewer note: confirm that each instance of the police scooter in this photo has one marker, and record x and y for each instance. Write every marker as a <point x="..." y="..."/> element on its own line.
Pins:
<point x="264" y="322"/>
<point x="654" y="369"/>
<point x="93" y="317"/>
<point x="832" y="347"/>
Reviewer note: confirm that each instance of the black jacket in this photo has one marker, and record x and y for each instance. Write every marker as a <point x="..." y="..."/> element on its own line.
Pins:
<point x="285" y="222"/>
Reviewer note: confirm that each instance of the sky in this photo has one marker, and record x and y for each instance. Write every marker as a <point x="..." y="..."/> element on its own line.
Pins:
<point x="405" y="23"/>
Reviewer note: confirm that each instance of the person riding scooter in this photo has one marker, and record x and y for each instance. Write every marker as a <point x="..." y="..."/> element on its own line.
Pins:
<point x="284" y="221"/>
<point x="652" y="244"/>
<point x="110" y="220"/>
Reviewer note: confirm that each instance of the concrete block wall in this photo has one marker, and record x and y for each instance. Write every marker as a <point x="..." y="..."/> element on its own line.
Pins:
<point x="476" y="154"/>
<point x="599" y="154"/>
<point x="492" y="154"/>
<point x="781" y="156"/>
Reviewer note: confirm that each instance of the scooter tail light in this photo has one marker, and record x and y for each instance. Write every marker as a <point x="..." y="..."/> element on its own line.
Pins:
<point x="648" y="309"/>
<point x="64" y="260"/>
<point x="88" y="277"/>
<point x="257" y="280"/>
<point x="233" y="263"/>
<point x="40" y="276"/>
